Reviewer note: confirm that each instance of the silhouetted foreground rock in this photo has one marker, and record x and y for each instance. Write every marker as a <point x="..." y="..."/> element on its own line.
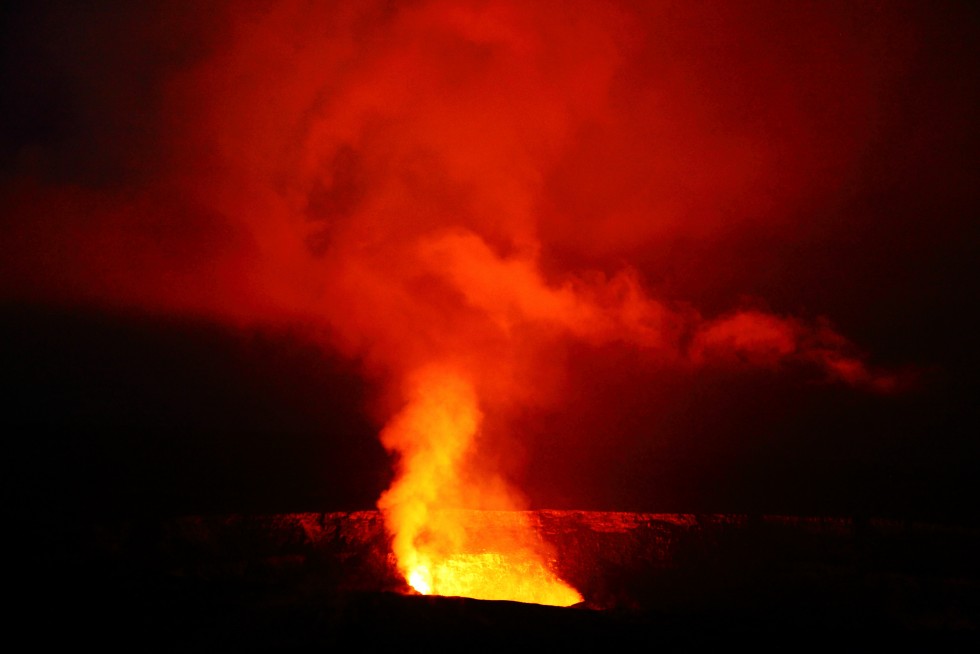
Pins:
<point x="210" y="583"/>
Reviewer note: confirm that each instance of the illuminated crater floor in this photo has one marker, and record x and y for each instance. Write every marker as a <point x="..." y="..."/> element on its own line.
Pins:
<point x="676" y="581"/>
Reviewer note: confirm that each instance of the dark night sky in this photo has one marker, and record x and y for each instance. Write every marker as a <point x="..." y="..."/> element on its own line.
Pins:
<point x="160" y="162"/>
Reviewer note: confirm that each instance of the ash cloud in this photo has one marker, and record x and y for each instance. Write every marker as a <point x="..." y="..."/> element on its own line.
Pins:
<point x="480" y="183"/>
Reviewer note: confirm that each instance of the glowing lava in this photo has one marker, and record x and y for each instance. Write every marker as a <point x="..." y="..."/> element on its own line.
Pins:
<point x="451" y="551"/>
<point x="454" y="193"/>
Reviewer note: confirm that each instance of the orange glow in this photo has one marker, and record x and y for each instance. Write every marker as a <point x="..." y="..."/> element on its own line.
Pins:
<point x="440" y="548"/>
<point x="457" y="194"/>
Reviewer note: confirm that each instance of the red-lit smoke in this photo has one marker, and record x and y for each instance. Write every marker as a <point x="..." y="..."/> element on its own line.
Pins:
<point x="474" y="185"/>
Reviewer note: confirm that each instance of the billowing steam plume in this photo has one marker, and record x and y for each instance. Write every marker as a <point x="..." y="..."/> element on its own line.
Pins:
<point x="450" y="192"/>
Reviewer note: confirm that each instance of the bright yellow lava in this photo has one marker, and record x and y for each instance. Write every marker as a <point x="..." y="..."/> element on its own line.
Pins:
<point x="494" y="555"/>
<point x="492" y="576"/>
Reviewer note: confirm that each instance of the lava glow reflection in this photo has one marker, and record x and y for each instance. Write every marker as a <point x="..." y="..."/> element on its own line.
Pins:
<point x="495" y="555"/>
<point x="520" y="577"/>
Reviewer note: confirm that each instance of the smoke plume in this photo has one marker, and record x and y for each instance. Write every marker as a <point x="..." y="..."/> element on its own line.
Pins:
<point x="455" y="193"/>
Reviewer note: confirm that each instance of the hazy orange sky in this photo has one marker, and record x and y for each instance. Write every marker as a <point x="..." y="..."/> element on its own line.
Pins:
<point x="712" y="254"/>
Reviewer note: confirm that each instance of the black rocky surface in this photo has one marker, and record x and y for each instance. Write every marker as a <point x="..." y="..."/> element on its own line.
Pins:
<point x="326" y="582"/>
